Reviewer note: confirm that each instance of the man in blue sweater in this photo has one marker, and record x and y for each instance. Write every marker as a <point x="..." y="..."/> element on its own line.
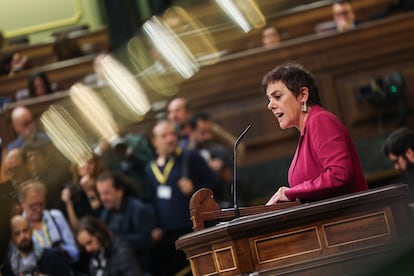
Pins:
<point x="173" y="177"/>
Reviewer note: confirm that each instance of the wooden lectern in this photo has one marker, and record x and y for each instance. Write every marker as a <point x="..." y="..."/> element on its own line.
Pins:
<point x="352" y="234"/>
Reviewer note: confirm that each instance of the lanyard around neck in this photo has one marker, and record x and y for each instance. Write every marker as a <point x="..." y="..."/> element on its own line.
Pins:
<point x="39" y="237"/>
<point x="162" y="177"/>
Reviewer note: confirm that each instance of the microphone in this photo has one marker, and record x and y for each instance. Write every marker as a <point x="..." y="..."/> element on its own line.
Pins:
<point x="234" y="185"/>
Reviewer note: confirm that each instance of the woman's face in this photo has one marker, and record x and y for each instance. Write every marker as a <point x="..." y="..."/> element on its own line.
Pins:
<point x="284" y="105"/>
<point x="86" y="169"/>
<point x="89" y="242"/>
<point x="39" y="86"/>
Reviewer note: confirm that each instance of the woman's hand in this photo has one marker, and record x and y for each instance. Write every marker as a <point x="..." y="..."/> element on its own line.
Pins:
<point x="65" y="196"/>
<point x="279" y="196"/>
<point x="87" y="183"/>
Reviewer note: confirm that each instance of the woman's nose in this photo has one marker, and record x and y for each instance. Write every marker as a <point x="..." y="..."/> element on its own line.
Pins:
<point x="269" y="105"/>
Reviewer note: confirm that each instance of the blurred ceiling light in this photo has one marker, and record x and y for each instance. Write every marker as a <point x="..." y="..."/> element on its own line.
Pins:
<point x="152" y="73"/>
<point x="169" y="45"/>
<point x="246" y="13"/>
<point x="134" y="103"/>
<point x="94" y="110"/>
<point x="195" y="36"/>
<point x="66" y="134"/>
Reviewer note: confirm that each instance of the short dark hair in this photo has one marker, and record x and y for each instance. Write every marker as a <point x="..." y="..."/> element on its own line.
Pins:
<point x="199" y="116"/>
<point x="121" y="181"/>
<point x="95" y="228"/>
<point x="399" y="141"/>
<point x="269" y="26"/>
<point x="294" y="76"/>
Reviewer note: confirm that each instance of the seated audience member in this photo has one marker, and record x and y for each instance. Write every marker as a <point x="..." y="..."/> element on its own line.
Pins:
<point x="18" y="63"/>
<point x="326" y="163"/>
<point x="173" y="177"/>
<point x="343" y="15"/>
<point x="10" y="206"/>
<point x="40" y="158"/>
<point x="179" y="113"/>
<point x="270" y="36"/>
<point x="25" y="127"/>
<point x="108" y="255"/>
<point x="128" y="218"/>
<point x="80" y="196"/>
<point x="216" y="155"/>
<point x="16" y="168"/>
<point x="38" y="85"/>
<point x="399" y="148"/>
<point x="16" y="173"/>
<point x="50" y="228"/>
<point x="10" y="62"/>
<point x="28" y="258"/>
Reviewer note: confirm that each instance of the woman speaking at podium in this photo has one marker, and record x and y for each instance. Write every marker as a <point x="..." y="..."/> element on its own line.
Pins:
<point x="325" y="163"/>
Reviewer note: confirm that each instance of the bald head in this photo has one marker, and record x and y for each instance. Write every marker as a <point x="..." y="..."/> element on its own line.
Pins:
<point x="17" y="221"/>
<point x="22" y="121"/>
<point x="21" y="234"/>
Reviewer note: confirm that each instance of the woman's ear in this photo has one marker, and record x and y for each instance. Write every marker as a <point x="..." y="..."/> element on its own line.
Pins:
<point x="304" y="94"/>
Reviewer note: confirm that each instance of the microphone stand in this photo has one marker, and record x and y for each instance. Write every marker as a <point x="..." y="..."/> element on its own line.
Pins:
<point x="234" y="185"/>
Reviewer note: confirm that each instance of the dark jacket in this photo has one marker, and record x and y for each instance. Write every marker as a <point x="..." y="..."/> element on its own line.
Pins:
<point x="132" y="223"/>
<point x="117" y="259"/>
<point x="51" y="262"/>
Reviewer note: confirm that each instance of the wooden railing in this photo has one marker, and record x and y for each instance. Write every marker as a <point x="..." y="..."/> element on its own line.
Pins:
<point x="41" y="58"/>
<point x="64" y="73"/>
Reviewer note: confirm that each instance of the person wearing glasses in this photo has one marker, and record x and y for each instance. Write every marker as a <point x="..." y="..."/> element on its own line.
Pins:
<point x="50" y="227"/>
<point x="343" y="15"/>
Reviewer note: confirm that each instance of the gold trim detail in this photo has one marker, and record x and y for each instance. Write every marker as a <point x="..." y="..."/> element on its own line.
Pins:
<point x="356" y="218"/>
<point x="217" y="262"/>
<point x="287" y="234"/>
<point x="193" y="266"/>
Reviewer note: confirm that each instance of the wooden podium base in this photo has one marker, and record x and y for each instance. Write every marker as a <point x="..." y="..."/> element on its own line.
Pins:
<point x="351" y="234"/>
